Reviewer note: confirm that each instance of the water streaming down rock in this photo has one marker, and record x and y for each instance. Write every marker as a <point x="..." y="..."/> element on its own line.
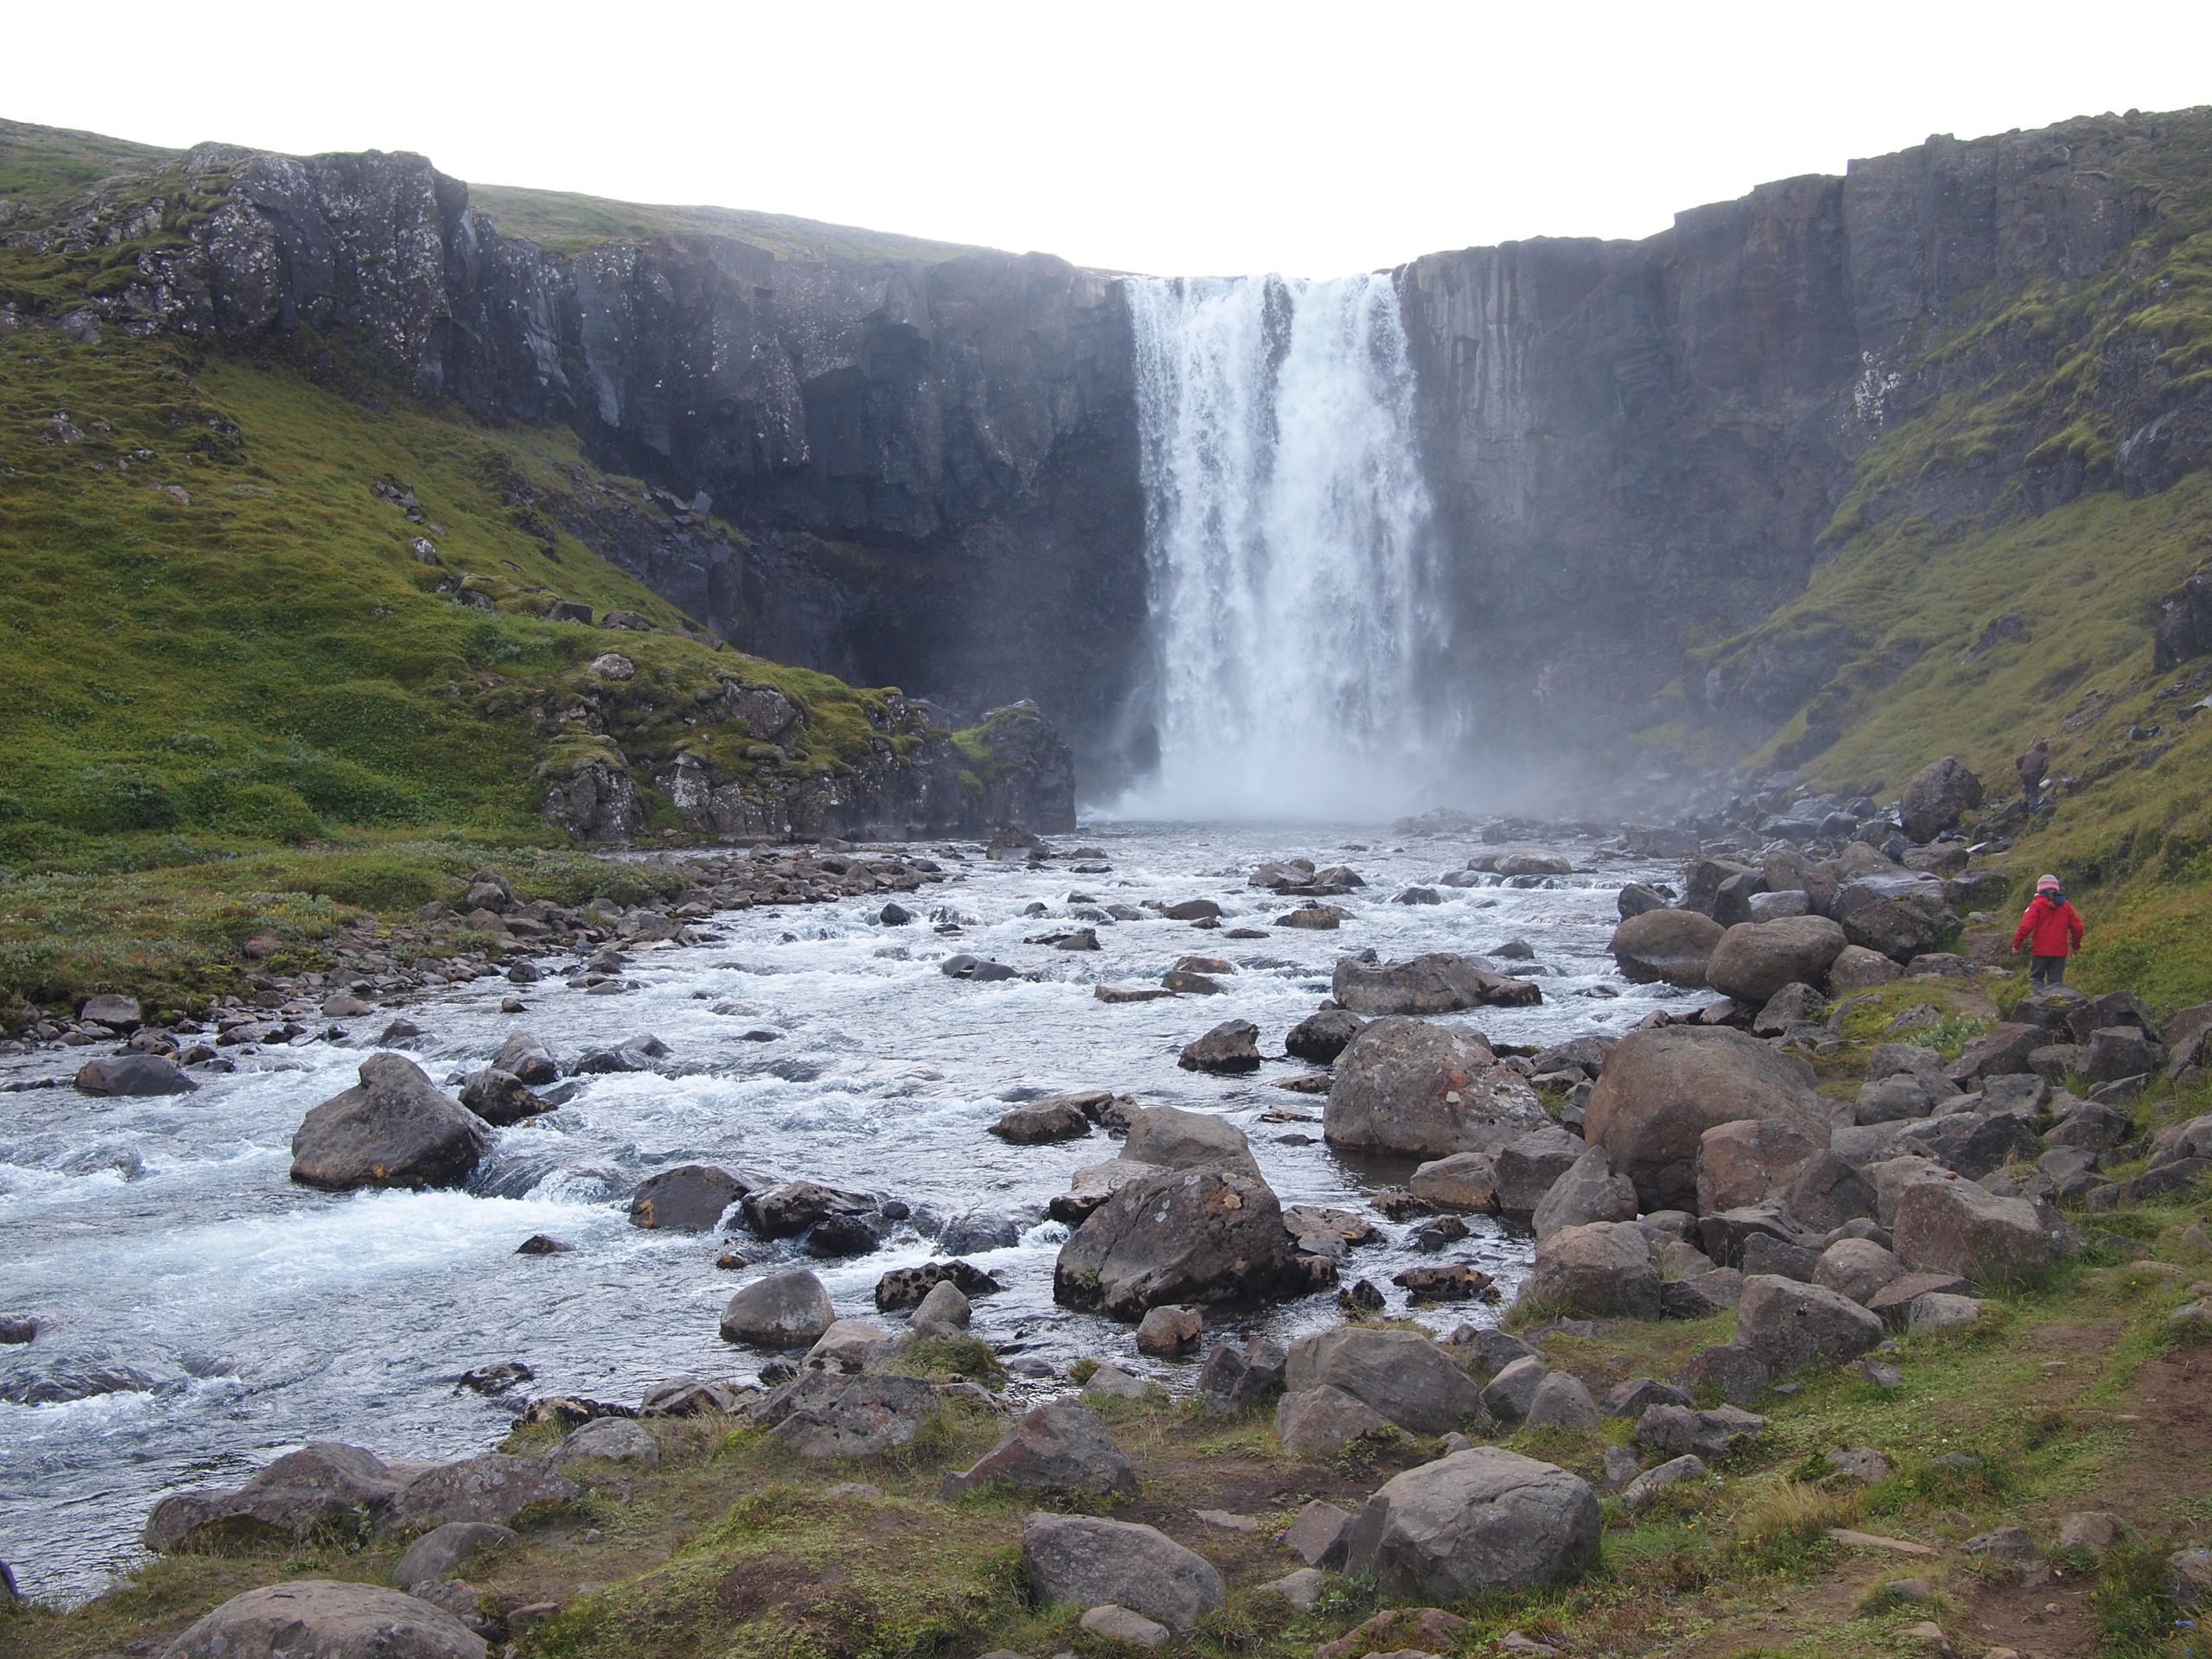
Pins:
<point x="1289" y="551"/>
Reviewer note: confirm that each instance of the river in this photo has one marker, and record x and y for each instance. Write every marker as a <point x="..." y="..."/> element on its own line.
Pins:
<point x="164" y="1235"/>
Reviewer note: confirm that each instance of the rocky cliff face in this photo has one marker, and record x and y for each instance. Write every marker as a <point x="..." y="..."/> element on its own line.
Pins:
<point x="1637" y="447"/>
<point x="931" y="465"/>
<point x="926" y="473"/>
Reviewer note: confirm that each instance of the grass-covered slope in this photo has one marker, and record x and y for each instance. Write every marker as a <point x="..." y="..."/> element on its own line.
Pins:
<point x="42" y="169"/>
<point x="1987" y="578"/>
<point x="220" y="642"/>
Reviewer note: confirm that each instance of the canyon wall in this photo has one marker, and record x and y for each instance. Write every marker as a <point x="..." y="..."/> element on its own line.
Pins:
<point x="1637" y="447"/>
<point x="926" y="473"/>
<point x="902" y="472"/>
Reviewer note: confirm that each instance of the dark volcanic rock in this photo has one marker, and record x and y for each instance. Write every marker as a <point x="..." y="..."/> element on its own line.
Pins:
<point x="1231" y="1047"/>
<point x="1321" y="1037"/>
<point x="394" y="1129"/>
<point x="1437" y="983"/>
<point x="1201" y="1236"/>
<point x="133" y="1074"/>
<point x="690" y="1198"/>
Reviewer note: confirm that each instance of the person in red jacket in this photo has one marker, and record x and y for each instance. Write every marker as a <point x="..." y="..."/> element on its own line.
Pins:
<point x="2051" y="930"/>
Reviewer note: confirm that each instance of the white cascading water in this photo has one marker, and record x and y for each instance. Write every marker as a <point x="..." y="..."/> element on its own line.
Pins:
<point x="1288" y="548"/>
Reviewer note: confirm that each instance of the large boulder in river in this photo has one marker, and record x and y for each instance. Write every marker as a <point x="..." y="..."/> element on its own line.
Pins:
<point x="1902" y="914"/>
<point x="1940" y="794"/>
<point x="1756" y="959"/>
<point x="1204" y="1237"/>
<point x="1175" y="1139"/>
<point x="133" y="1074"/>
<point x="690" y="1198"/>
<point x="1437" y="983"/>
<point x="323" y="1618"/>
<point x="1673" y="945"/>
<point x="1401" y="1374"/>
<point x="1480" y="1521"/>
<point x="394" y="1129"/>
<point x="523" y="1055"/>
<point x="784" y="1310"/>
<point x="1422" y="1091"/>
<point x="1321" y="1037"/>
<point x="1230" y="1047"/>
<point x="1660" y="1090"/>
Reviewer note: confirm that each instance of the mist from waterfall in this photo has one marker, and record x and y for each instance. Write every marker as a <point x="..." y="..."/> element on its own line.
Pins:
<point x="1288" y="550"/>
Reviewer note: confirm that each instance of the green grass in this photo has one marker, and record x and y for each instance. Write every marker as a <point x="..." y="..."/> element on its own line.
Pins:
<point x="564" y="222"/>
<point x="1944" y="531"/>
<point x="224" y="713"/>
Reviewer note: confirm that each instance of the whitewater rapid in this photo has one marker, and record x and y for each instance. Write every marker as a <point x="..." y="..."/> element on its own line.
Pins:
<point x="164" y="1236"/>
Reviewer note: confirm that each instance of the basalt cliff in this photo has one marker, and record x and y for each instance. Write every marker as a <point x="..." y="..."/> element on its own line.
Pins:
<point x="923" y="470"/>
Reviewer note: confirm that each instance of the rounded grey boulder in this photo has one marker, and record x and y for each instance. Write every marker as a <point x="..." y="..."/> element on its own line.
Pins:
<point x="1400" y="1373"/>
<point x="784" y="1310"/>
<point x="615" y="1439"/>
<point x="318" y="1618"/>
<point x="1204" y="1237"/>
<point x="1417" y="1090"/>
<point x="1602" y="1267"/>
<point x="132" y="1075"/>
<point x="1480" y="1520"/>
<point x="1674" y="946"/>
<point x="1083" y="1561"/>
<point x="1059" y="1446"/>
<point x="446" y="1552"/>
<point x="1754" y="960"/>
<point x="1660" y="1090"/>
<point x="394" y="1129"/>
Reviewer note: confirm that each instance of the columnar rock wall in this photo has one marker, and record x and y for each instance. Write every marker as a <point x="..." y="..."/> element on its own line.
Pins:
<point x="934" y="464"/>
<point x="1634" y="446"/>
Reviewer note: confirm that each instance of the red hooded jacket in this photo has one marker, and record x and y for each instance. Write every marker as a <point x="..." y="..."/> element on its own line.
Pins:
<point x="2049" y="930"/>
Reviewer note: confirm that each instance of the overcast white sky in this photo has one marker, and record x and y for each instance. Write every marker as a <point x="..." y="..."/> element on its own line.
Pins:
<point x="1190" y="137"/>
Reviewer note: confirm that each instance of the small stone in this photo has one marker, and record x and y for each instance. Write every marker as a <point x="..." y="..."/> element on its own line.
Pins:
<point x="1877" y="1373"/>
<point x="1320" y="1535"/>
<point x="1860" y="1463"/>
<point x="1928" y="1635"/>
<point x="2092" y="1532"/>
<point x="1300" y="1589"/>
<point x="1673" y="1472"/>
<point x="1120" y="1625"/>
<point x="1170" y="1331"/>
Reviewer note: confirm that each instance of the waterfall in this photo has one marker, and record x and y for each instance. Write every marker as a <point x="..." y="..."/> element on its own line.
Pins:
<point x="1287" y="549"/>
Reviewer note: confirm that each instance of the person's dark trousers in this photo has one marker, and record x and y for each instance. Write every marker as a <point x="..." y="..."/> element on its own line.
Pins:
<point x="2047" y="970"/>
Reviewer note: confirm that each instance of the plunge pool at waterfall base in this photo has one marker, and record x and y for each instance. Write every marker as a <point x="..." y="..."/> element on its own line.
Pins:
<point x="164" y="1235"/>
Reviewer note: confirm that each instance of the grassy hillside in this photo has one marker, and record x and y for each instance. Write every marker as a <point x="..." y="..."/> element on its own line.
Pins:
<point x="1971" y="621"/>
<point x="43" y="167"/>
<point x="221" y="642"/>
<point x="564" y="222"/>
